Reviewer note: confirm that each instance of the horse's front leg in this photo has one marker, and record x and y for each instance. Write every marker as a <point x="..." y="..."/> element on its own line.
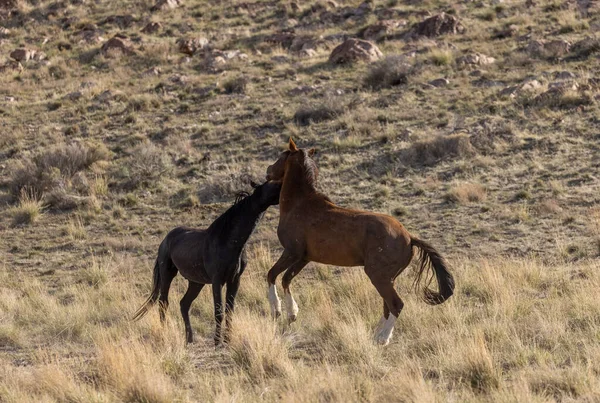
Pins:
<point x="232" y="289"/>
<point x="285" y="261"/>
<point x="218" y="300"/>
<point x="290" y="304"/>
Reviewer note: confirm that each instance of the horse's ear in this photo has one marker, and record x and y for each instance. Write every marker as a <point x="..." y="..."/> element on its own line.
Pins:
<point x="312" y="152"/>
<point x="292" y="145"/>
<point x="253" y="184"/>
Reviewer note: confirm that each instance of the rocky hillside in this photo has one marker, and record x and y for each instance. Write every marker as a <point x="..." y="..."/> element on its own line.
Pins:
<point x="475" y="123"/>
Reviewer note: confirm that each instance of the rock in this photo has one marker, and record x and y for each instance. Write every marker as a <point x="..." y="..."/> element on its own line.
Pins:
<point x="4" y="32"/>
<point x="364" y="8"/>
<point x="289" y="23"/>
<point x="73" y="96"/>
<point x="506" y="32"/>
<point x="304" y="42"/>
<point x="353" y="50"/>
<point x="381" y="30"/>
<point x="163" y="5"/>
<point x="280" y="59"/>
<point x="8" y="98"/>
<point x="122" y="21"/>
<point x="151" y="27"/>
<point x="91" y="34"/>
<point x="283" y="39"/>
<point x="564" y="75"/>
<point x="154" y="71"/>
<point x="307" y="53"/>
<point x="439" y="82"/>
<point x="104" y="97"/>
<point x="564" y="85"/>
<point x="441" y="24"/>
<point x="302" y="90"/>
<point x="22" y="54"/>
<point x="295" y="6"/>
<point x="556" y="48"/>
<point x="118" y="43"/>
<point x="515" y="90"/>
<point x="189" y="46"/>
<point x="477" y="59"/>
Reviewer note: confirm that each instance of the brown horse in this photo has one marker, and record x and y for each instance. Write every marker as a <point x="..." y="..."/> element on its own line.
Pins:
<point x="313" y="228"/>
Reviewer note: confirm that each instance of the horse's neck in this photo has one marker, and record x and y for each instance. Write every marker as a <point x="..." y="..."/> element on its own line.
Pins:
<point x="296" y="186"/>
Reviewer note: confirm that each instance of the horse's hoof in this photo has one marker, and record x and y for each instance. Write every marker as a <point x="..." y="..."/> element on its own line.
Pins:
<point x="383" y="338"/>
<point x="291" y="318"/>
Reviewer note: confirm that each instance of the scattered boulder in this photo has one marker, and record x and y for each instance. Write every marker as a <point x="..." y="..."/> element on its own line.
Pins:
<point x="307" y="53"/>
<point x="154" y="71"/>
<point x="524" y="87"/>
<point x="553" y="49"/>
<point x="441" y="24"/>
<point x="118" y="43"/>
<point x="91" y="34"/>
<point x="283" y="39"/>
<point x="163" y="5"/>
<point x="22" y="54"/>
<point x="151" y="28"/>
<point x="564" y="75"/>
<point x="381" y="30"/>
<point x="4" y="32"/>
<point x="364" y="8"/>
<point x="189" y="46"/>
<point x="303" y="90"/>
<point x="476" y="59"/>
<point x="73" y="96"/>
<point x="564" y="85"/>
<point x="353" y="50"/>
<point x="121" y="21"/>
<point x="586" y="47"/>
<point x="439" y="82"/>
<point x="506" y="32"/>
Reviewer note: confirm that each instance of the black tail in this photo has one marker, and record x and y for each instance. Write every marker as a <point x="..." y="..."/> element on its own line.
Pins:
<point x="140" y="313"/>
<point x="431" y="258"/>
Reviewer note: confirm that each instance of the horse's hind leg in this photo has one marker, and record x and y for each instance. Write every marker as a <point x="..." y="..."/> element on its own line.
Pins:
<point x="168" y="271"/>
<point x="290" y="304"/>
<point x="386" y="314"/>
<point x="385" y="287"/>
<point x="185" y="304"/>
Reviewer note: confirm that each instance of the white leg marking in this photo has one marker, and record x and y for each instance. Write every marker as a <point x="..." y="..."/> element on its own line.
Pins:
<point x="290" y="306"/>
<point x="380" y="325"/>
<point x="384" y="336"/>
<point x="274" y="301"/>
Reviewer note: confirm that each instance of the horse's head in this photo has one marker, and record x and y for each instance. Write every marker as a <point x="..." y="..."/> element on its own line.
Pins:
<point x="267" y="194"/>
<point x="293" y="155"/>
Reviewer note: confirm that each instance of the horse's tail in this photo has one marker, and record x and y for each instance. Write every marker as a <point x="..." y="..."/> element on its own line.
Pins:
<point x="430" y="258"/>
<point x="140" y="313"/>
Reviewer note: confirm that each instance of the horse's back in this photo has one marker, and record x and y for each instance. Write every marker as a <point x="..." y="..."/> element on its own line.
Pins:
<point x="186" y="247"/>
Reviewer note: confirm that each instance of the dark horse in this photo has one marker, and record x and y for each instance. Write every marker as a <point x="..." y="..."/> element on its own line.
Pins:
<point x="213" y="256"/>
<point x="313" y="228"/>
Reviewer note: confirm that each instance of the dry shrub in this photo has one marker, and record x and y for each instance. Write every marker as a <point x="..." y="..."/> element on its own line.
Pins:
<point x="466" y="193"/>
<point x="223" y="187"/>
<point x="146" y="164"/>
<point x="236" y="85"/>
<point x="55" y="167"/>
<point x="432" y="151"/>
<point x="389" y="72"/>
<point x="318" y="112"/>
<point x="28" y="210"/>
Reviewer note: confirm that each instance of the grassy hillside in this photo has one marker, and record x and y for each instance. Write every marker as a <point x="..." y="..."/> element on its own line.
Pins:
<point x="480" y="134"/>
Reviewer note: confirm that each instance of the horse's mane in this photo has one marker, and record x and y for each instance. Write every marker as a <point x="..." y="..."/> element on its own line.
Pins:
<point x="310" y="169"/>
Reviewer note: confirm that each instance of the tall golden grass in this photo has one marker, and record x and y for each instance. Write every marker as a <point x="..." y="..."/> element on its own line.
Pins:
<point x="514" y="331"/>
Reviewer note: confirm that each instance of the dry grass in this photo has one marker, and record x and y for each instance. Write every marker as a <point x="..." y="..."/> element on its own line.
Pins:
<point x="466" y="193"/>
<point x="28" y="210"/>
<point x="504" y="335"/>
